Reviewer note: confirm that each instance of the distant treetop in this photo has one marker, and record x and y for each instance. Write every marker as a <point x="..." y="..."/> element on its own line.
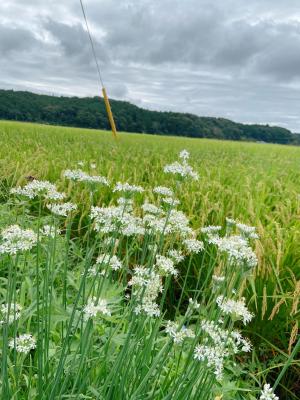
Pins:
<point x="90" y="112"/>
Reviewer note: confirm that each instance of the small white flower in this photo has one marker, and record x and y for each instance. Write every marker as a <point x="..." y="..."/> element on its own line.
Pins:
<point x="146" y="285"/>
<point x="151" y="209"/>
<point x="183" y="170"/>
<point x="50" y="230"/>
<point x="38" y="188"/>
<point x="113" y="261"/>
<point x="62" y="209"/>
<point x="193" y="304"/>
<point x="247" y="231"/>
<point x="213" y="355"/>
<point x="94" y="307"/>
<point x="184" y="155"/>
<point x="163" y="191"/>
<point x="211" y="229"/>
<point x="218" y="345"/>
<point x="193" y="245"/>
<point x="268" y="393"/>
<point x="165" y="265"/>
<point x="178" y="334"/>
<point x="176" y="255"/>
<point x="126" y="187"/>
<point x="93" y="165"/>
<point x="16" y="239"/>
<point x="23" y="343"/>
<point x="125" y="203"/>
<point x="116" y="219"/>
<point x="238" y="250"/>
<point x="235" y="308"/>
<point x="171" y="201"/>
<point x="9" y="314"/>
<point x="80" y="176"/>
<point x="150" y="308"/>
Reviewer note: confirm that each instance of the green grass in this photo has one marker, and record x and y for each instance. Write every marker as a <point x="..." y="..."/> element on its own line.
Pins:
<point x="257" y="184"/>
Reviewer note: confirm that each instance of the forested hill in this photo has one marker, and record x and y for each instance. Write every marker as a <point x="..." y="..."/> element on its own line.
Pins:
<point x="90" y="113"/>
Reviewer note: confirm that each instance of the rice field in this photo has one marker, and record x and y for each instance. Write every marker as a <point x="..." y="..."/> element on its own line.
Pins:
<point x="97" y="318"/>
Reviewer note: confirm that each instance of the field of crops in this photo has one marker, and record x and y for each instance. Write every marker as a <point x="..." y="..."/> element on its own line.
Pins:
<point x="254" y="184"/>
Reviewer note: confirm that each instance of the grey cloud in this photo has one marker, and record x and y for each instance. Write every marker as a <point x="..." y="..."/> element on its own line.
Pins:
<point x="14" y="39"/>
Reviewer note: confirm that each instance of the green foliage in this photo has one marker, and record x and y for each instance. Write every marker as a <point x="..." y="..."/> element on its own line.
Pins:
<point x="90" y="113"/>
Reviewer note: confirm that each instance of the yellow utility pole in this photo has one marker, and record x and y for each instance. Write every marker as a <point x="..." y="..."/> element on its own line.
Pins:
<point x="109" y="113"/>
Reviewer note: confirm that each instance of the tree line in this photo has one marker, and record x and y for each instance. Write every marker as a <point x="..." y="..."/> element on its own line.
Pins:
<point x="90" y="112"/>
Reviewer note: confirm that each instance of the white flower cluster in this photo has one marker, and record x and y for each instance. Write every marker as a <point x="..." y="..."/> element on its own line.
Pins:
<point x="9" y="314"/>
<point x="151" y="209"/>
<point x="219" y="345"/>
<point x="182" y="169"/>
<point x="237" y="249"/>
<point x="213" y="355"/>
<point x="193" y="304"/>
<point x="146" y="284"/>
<point x="176" y="255"/>
<point x="39" y="188"/>
<point x="211" y="229"/>
<point x="115" y="219"/>
<point x="174" y="223"/>
<point x="105" y="260"/>
<point x="125" y="203"/>
<point x="63" y="209"/>
<point x="177" y="333"/>
<point x="184" y="154"/>
<point x="163" y="191"/>
<point x="95" y="307"/>
<point x="171" y="201"/>
<point x="247" y="231"/>
<point x="23" y="343"/>
<point x="16" y="239"/>
<point x="126" y="187"/>
<point x="112" y="261"/>
<point x="50" y="230"/>
<point x="236" y="308"/>
<point x="268" y="393"/>
<point x="193" y="245"/>
<point x="165" y="266"/>
<point x="81" y="176"/>
<point x="233" y="340"/>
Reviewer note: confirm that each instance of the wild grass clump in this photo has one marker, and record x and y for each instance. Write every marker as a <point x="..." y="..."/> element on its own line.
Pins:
<point x="139" y="306"/>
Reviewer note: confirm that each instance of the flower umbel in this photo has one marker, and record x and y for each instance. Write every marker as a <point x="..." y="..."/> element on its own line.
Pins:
<point x="268" y="393"/>
<point x="235" y="308"/>
<point x="16" y="239"/>
<point x="23" y="343"/>
<point x="39" y="188"/>
<point x="81" y="176"/>
<point x="94" y="307"/>
<point x="63" y="210"/>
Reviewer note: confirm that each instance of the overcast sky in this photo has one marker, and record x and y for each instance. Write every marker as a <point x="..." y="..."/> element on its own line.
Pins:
<point x="238" y="59"/>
